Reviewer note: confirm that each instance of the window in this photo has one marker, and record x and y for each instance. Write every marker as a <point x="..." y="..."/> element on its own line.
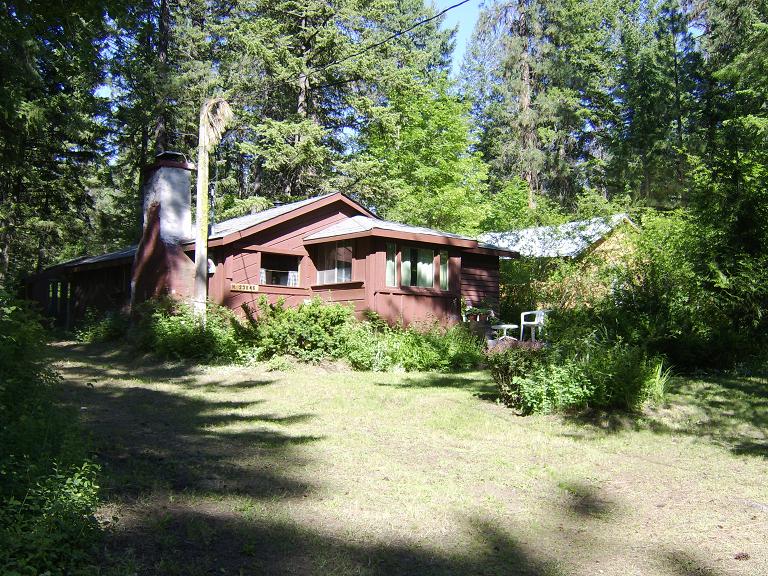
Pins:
<point x="443" y="270"/>
<point x="391" y="264"/>
<point x="335" y="264"/>
<point x="279" y="270"/>
<point x="416" y="267"/>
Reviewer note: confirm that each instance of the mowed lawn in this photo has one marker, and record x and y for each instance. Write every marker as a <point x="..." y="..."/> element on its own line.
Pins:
<point x="234" y="470"/>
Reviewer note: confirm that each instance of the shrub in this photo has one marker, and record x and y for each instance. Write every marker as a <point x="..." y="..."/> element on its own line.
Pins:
<point x="51" y="529"/>
<point x="310" y="332"/>
<point x="583" y="371"/>
<point x="510" y="361"/>
<point x="170" y="328"/>
<point x="624" y="376"/>
<point x="102" y="327"/>
<point x="372" y="346"/>
<point x="553" y="388"/>
<point x="48" y="490"/>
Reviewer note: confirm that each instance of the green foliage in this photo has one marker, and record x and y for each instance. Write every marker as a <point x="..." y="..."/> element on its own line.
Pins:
<point x="232" y="207"/>
<point x="509" y="361"/>
<point x="51" y="528"/>
<point x="580" y="368"/>
<point x="554" y="388"/>
<point x="48" y="489"/>
<point x="418" y="166"/>
<point x="310" y="332"/>
<point x="381" y="348"/>
<point x="102" y="327"/>
<point x="171" y="329"/>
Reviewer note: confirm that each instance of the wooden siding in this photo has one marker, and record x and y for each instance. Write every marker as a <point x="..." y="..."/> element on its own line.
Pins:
<point x="240" y="262"/>
<point x="480" y="279"/>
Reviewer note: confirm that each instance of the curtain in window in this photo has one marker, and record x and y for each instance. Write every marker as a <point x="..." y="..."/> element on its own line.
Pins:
<point x="335" y="264"/>
<point x="416" y="267"/>
<point x="344" y="263"/>
<point x="426" y="274"/>
<point x="391" y="279"/>
<point x="443" y="270"/>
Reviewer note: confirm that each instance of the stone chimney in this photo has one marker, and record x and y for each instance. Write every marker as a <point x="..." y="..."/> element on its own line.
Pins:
<point x="161" y="265"/>
<point x="167" y="182"/>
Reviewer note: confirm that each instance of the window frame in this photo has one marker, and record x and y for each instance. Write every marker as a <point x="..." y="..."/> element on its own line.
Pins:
<point x="263" y="271"/>
<point x="333" y="248"/>
<point x="440" y="281"/>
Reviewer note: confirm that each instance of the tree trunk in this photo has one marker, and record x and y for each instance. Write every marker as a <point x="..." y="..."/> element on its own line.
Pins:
<point x="163" y="40"/>
<point x="527" y="133"/>
<point x="5" y="251"/>
<point x="201" y="235"/>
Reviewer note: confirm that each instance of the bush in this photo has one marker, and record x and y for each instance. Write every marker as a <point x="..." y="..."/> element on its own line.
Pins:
<point x="310" y="332"/>
<point x="48" y="490"/>
<point x="170" y="328"/>
<point x="624" y="376"/>
<point x="553" y="388"/>
<point x="510" y="361"/>
<point x="576" y="373"/>
<point x="102" y="327"/>
<point x="51" y="529"/>
<point x="371" y="346"/>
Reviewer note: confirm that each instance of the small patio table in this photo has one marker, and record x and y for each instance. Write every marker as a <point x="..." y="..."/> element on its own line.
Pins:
<point x="504" y="328"/>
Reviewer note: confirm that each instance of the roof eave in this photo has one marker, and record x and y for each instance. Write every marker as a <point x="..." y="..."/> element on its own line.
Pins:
<point x="284" y="217"/>
<point x="398" y="235"/>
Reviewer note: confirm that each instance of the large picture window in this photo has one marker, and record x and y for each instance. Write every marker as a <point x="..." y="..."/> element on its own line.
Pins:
<point x="334" y="263"/>
<point x="416" y="267"/>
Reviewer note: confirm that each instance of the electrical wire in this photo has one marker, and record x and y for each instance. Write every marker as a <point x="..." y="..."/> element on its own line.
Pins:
<point x="391" y="37"/>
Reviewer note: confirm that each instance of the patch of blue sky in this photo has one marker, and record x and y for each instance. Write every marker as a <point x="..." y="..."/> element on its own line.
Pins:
<point x="463" y="18"/>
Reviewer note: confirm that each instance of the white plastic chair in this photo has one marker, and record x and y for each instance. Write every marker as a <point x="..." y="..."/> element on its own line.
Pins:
<point x="536" y="323"/>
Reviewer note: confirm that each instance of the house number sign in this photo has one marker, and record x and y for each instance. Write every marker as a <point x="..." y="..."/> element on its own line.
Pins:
<point x="244" y="287"/>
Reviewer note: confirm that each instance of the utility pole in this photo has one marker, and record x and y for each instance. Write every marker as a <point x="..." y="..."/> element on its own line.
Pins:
<point x="215" y="114"/>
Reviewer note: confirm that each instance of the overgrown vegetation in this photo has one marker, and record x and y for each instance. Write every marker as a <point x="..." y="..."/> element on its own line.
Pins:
<point x="48" y="486"/>
<point x="97" y="327"/>
<point x="169" y="327"/>
<point x="566" y="376"/>
<point x="311" y="332"/>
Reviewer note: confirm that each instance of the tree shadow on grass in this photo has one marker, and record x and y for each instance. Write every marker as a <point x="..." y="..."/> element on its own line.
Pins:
<point x="196" y="542"/>
<point x="727" y="411"/>
<point x="148" y="439"/>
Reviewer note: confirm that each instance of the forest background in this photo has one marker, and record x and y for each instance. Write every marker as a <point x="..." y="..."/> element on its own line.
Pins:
<point x="561" y="109"/>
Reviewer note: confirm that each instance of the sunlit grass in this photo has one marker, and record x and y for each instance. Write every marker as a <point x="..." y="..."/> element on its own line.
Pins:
<point x="320" y="471"/>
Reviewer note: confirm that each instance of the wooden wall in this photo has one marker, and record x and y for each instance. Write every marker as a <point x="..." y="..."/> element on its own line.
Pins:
<point x="240" y="263"/>
<point x="480" y="279"/>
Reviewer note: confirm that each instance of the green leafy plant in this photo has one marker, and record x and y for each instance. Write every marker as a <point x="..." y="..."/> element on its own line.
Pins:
<point x="48" y="486"/>
<point x="170" y="328"/>
<point x="310" y="332"/>
<point x="102" y="327"/>
<point x="510" y="362"/>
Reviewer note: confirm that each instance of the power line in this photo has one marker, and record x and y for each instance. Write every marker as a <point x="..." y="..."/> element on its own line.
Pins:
<point x="391" y="37"/>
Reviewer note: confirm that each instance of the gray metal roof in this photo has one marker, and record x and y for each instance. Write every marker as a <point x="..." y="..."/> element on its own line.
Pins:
<point x="129" y="252"/>
<point x="221" y="229"/>
<point x="366" y="223"/>
<point x="564" y="241"/>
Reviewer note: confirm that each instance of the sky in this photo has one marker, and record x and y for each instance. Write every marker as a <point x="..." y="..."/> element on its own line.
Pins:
<point x="464" y="17"/>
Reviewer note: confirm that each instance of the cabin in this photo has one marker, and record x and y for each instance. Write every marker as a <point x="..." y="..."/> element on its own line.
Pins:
<point x="329" y="246"/>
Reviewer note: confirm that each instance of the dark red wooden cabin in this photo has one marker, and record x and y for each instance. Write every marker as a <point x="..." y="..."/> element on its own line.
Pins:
<point x="329" y="247"/>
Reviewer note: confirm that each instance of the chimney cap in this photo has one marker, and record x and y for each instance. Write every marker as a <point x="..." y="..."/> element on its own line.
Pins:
<point x="170" y="159"/>
<point x="171" y="156"/>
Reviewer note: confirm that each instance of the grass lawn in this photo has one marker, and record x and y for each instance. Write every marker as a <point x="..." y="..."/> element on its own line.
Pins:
<point x="232" y="470"/>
